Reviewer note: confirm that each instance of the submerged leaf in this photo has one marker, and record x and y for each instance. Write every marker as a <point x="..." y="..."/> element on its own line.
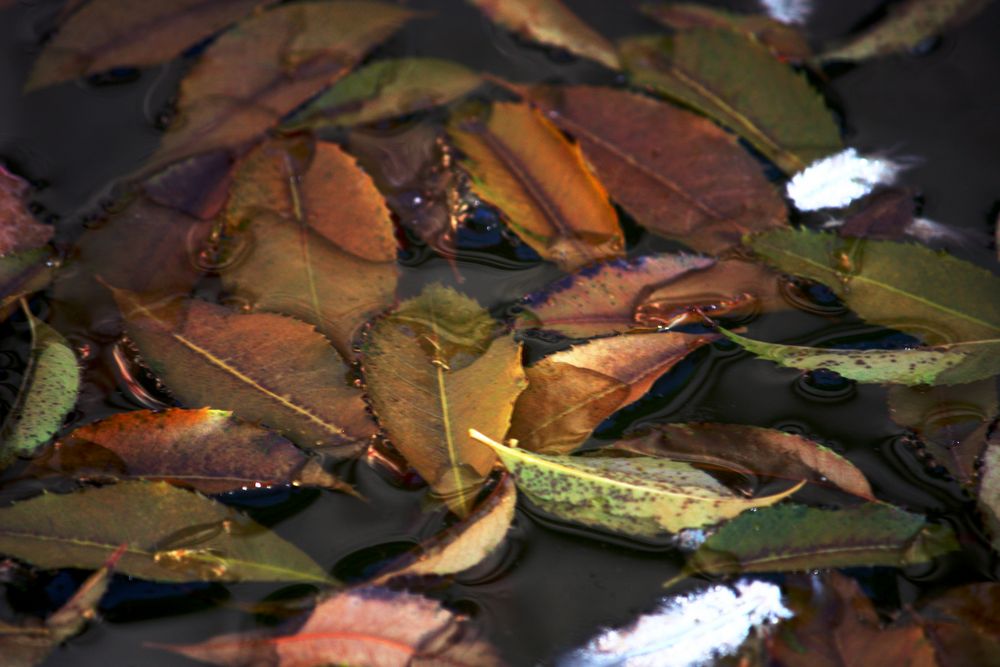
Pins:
<point x="48" y="393"/>
<point x="750" y="450"/>
<point x="433" y="370"/>
<point x="522" y="164"/>
<point x="550" y="22"/>
<point x="107" y="34"/>
<point x="22" y="274"/>
<point x="640" y="496"/>
<point x="363" y="627"/>
<point x="319" y="238"/>
<point x="678" y="174"/>
<point x="570" y="392"/>
<point x="900" y="285"/>
<point x="266" y="66"/>
<point x="171" y="535"/>
<point x="762" y="100"/>
<point x="385" y="89"/>
<point x="944" y="364"/>
<point x="962" y="625"/>
<point x="262" y="367"/>
<point x="19" y="231"/>
<point x="207" y="450"/>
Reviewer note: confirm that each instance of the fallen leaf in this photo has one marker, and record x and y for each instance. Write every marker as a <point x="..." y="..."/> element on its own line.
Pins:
<point x="571" y="392"/>
<point x="433" y="370"/>
<point x="48" y="393"/>
<point x="206" y="450"/>
<point x="604" y="298"/>
<point x="21" y="275"/>
<point x="107" y="34"/>
<point x="790" y="538"/>
<point x="318" y="239"/>
<point x="989" y="487"/>
<point x="363" y="627"/>
<point x="762" y="100"/>
<point x="263" y="367"/>
<point x="171" y="535"/>
<point x="962" y="624"/>
<point x="267" y="65"/>
<point x="550" y="22"/>
<point x="786" y="41"/>
<point x="899" y="285"/>
<point x="907" y="24"/>
<point x="19" y="231"/>
<point x="678" y="174"/>
<point x="463" y="545"/>
<point x="957" y="363"/>
<point x="522" y="164"/>
<point x="835" y="625"/>
<point x="386" y="89"/>
<point x="640" y="496"/>
<point x="750" y="450"/>
<point x="885" y="215"/>
<point x="197" y="186"/>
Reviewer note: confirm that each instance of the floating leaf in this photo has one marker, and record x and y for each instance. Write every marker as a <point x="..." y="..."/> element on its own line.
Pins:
<point x="433" y="370"/>
<point x="19" y="231"/>
<point x="465" y="544"/>
<point x="197" y="186"/>
<point x="943" y="364"/>
<point x="750" y="450"/>
<point x="266" y="66"/>
<point x="22" y="274"/>
<point x="207" y="450"/>
<point x="790" y="537"/>
<point x="171" y="535"/>
<point x="321" y="245"/>
<point x="388" y="88"/>
<point x="762" y="100"/>
<point x="907" y="25"/>
<point x="262" y="367"/>
<point x="603" y="299"/>
<point x="835" y="624"/>
<point x="571" y="392"/>
<point x="884" y="215"/>
<point x="678" y="174"/>
<point x="962" y="625"/>
<point x="550" y="22"/>
<point x="107" y="34"/>
<point x="521" y="163"/>
<point x="639" y="496"/>
<point x="900" y="285"/>
<point x="363" y="627"/>
<point x="48" y="393"/>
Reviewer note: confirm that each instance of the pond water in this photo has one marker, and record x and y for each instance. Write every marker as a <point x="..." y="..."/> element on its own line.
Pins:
<point x="551" y="586"/>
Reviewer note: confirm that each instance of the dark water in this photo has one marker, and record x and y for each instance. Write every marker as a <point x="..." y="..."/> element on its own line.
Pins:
<point x="552" y="586"/>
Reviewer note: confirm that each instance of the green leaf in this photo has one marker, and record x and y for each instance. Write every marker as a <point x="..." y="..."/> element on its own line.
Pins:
<point x="639" y="496"/>
<point x="387" y="88"/>
<point x="943" y="364"/>
<point x="792" y="537"/>
<point x="900" y="285"/>
<point x="763" y="100"/>
<point x="48" y="393"/>
<point x="171" y="535"/>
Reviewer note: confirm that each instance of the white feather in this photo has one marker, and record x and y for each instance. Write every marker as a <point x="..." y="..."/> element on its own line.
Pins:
<point x="839" y="179"/>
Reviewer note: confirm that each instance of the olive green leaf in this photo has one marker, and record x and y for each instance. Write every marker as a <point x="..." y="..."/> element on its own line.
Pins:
<point x="641" y="496"/>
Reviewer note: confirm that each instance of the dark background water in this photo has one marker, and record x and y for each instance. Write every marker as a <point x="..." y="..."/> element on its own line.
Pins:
<point x="552" y="586"/>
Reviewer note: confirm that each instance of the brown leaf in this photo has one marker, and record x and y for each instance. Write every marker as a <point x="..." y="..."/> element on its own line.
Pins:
<point x="267" y="65"/>
<point x="197" y="186"/>
<point x="105" y="34"/>
<point x="365" y="627"/>
<point x="836" y="625"/>
<point x="550" y="22"/>
<point x="19" y="231"/>
<point x="207" y="450"/>
<point x="320" y="244"/>
<point x="22" y="274"/>
<point x="262" y="367"/>
<point x="750" y="450"/>
<point x="886" y="214"/>
<point x="678" y="174"/>
<point x="433" y="371"/>
<point x="964" y="625"/>
<point x="521" y="163"/>
<point x="570" y="392"/>
<point x="605" y="298"/>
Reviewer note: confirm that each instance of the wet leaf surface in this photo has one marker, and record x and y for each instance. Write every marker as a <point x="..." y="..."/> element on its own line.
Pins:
<point x="962" y="624"/>
<point x="763" y="100"/>
<point x="171" y="535"/>
<point x="22" y="274"/>
<point x="19" y="231"/>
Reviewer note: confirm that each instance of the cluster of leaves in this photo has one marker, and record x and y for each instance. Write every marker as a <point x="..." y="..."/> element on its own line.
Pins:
<point x="323" y="362"/>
